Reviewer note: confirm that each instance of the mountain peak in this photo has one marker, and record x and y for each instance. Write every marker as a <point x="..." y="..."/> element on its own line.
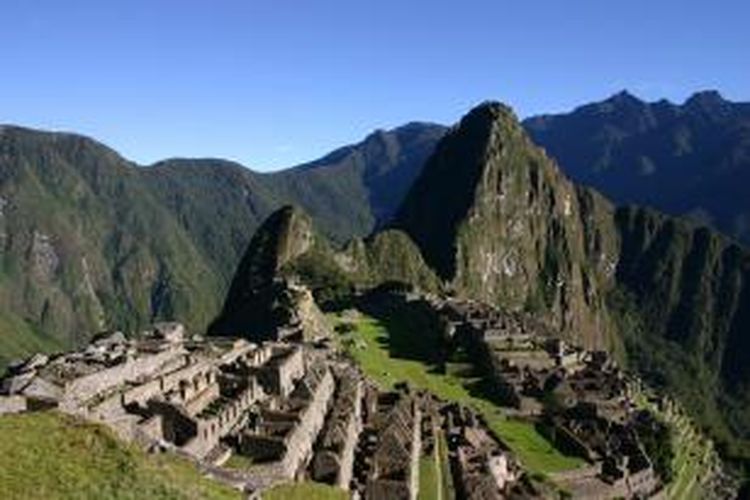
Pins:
<point x="451" y="179"/>
<point x="622" y="100"/>
<point x="624" y="95"/>
<point x="286" y="234"/>
<point x="490" y="112"/>
<point x="497" y="221"/>
<point x="710" y="102"/>
<point x="474" y="164"/>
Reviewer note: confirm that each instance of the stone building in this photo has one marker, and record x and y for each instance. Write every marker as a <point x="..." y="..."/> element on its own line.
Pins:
<point x="334" y="457"/>
<point x="484" y="467"/>
<point x="394" y="467"/>
<point x="279" y="437"/>
<point x="160" y="389"/>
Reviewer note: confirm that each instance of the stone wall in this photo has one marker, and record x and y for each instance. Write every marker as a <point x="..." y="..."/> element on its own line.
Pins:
<point x="84" y="388"/>
<point x="339" y="437"/>
<point x="201" y="400"/>
<point x="302" y="438"/>
<point x="12" y="404"/>
<point x="210" y="429"/>
<point x="298" y="442"/>
<point x="283" y="370"/>
<point x="395" y="463"/>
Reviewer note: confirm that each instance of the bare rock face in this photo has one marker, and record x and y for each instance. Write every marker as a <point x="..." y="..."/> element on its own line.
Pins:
<point x="44" y="259"/>
<point x="500" y="222"/>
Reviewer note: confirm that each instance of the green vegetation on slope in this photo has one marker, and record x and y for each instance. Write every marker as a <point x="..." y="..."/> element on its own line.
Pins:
<point x="48" y="455"/>
<point x="693" y="454"/>
<point x="371" y="344"/>
<point x="86" y="246"/>
<point x="18" y="338"/>
<point x="683" y="304"/>
<point x="89" y="240"/>
<point x="305" y="491"/>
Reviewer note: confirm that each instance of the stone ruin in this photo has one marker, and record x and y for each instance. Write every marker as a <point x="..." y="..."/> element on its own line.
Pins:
<point x="161" y="389"/>
<point x="392" y="444"/>
<point x="485" y="467"/>
<point x="334" y="460"/>
<point x="582" y="399"/>
<point x="250" y="415"/>
<point x="254" y="415"/>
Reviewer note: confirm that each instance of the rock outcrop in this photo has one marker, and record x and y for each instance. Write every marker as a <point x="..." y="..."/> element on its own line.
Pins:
<point x="287" y="261"/>
<point x="261" y="299"/>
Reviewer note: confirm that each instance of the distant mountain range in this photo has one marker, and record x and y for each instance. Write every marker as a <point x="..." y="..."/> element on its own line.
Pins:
<point x="691" y="159"/>
<point x="89" y="239"/>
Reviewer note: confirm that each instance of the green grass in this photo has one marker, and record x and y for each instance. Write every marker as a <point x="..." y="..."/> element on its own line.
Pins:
<point x="18" y="339"/>
<point x="435" y="481"/>
<point x="369" y="346"/>
<point x="430" y="487"/>
<point x="445" y="469"/>
<point x="238" y="462"/>
<point x="305" y="491"/>
<point x="52" y="456"/>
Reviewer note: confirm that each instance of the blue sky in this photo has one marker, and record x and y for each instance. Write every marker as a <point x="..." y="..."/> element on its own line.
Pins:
<point x="274" y="83"/>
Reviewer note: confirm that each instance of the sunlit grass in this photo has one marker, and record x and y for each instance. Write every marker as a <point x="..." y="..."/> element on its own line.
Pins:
<point x="305" y="491"/>
<point x="49" y="455"/>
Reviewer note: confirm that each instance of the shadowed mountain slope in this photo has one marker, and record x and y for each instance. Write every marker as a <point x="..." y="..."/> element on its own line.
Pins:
<point x="690" y="159"/>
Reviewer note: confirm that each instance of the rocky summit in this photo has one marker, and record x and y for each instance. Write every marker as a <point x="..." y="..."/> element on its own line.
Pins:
<point x="499" y="222"/>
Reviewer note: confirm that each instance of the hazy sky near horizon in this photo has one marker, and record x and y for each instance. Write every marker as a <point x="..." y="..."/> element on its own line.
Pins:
<point x="275" y="83"/>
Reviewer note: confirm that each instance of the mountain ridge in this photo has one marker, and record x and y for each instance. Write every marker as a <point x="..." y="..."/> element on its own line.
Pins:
<point x="690" y="159"/>
<point x="91" y="240"/>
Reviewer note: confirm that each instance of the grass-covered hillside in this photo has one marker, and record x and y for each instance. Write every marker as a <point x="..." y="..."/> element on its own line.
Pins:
<point x="305" y="491"/>
<point x="51" y="456"/>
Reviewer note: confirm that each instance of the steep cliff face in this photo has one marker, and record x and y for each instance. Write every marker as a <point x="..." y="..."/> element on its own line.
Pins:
<point x="259" y="300"/>
<point x="499" y="222"/>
